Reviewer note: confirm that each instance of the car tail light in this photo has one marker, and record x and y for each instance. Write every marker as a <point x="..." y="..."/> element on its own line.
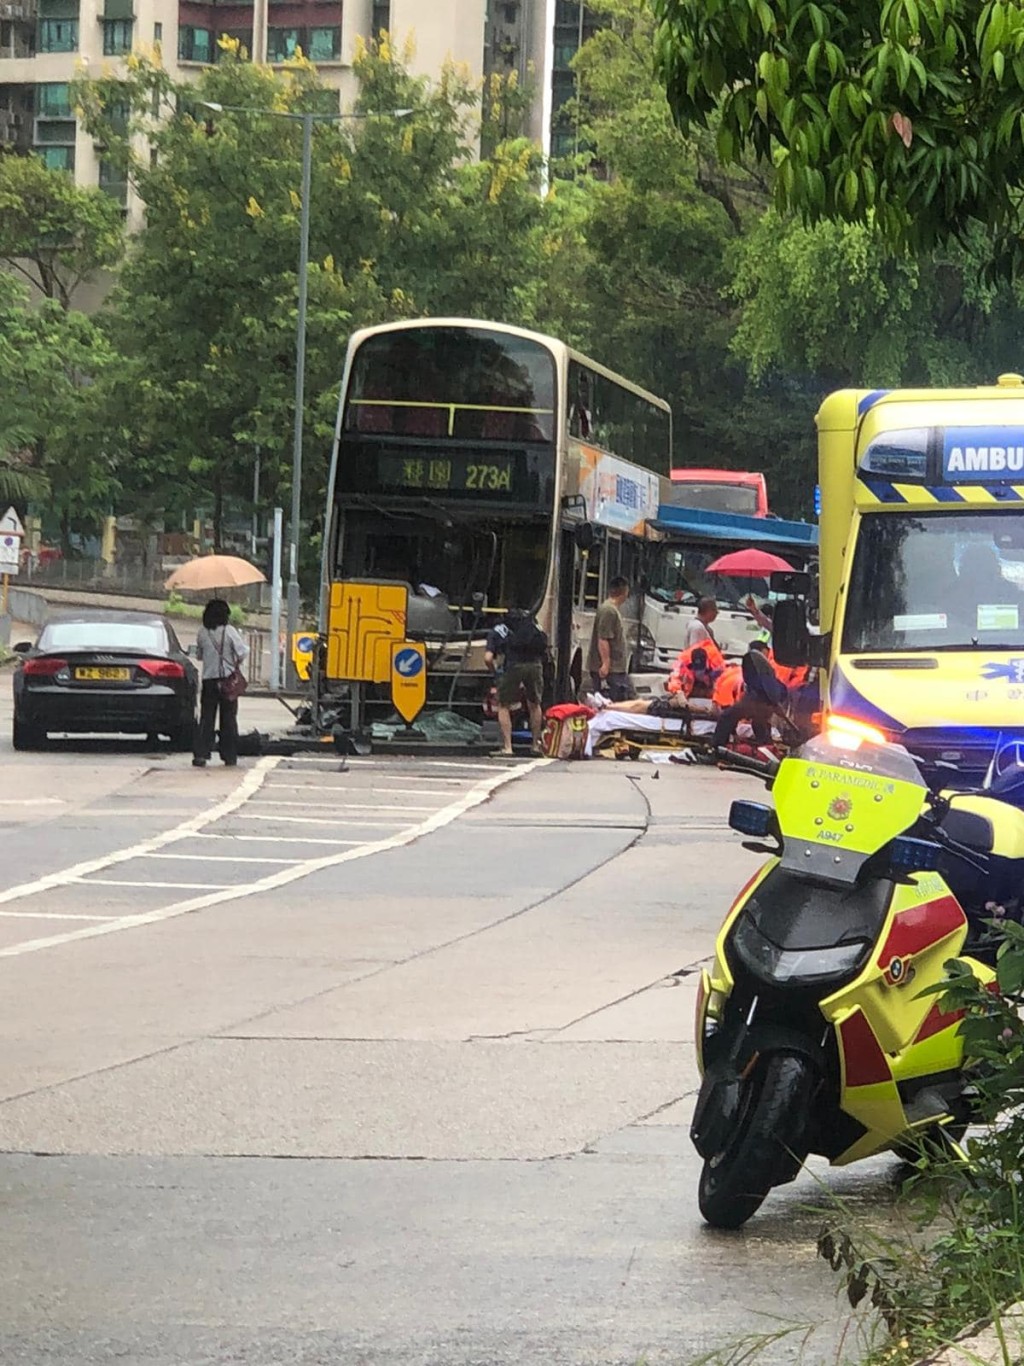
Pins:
<point x="161" y="668"/>
<point x="45" y="666"/>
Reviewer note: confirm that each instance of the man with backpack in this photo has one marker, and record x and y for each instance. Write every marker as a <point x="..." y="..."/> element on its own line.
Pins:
<point x="764" y="694"/>
<point x="522" y="647"/>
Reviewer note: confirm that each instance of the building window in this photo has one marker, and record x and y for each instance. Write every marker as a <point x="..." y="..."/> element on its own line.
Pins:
<point x="113" y="183"/>
<point x="282" y="44"/>
<point x="53" y="100"/>
<point x="158" y="33"/>
<point x="55" y="130"/>
<point x="57" y="158"/>
<point x="58" y="35"/>
<point x="117" y="37"/>
<point x="194" y="44"/>
<point x="324" y="44"/>
<point x="381" y="16"/>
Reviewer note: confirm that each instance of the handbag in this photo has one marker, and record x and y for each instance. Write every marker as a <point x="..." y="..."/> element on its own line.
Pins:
<point x="232" y="685"/>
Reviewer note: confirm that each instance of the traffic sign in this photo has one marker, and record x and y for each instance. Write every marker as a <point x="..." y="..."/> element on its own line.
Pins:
<point x="303" y="645"/>
<point x="408" y="678"/>
<point x="10" y="524"/>
<point x="10" y="553"/>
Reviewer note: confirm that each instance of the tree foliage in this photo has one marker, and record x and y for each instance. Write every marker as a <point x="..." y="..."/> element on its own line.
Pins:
<point x="54" y="439"/>
<point x="902" y="113"/>
<point x="54" y="233"/>
<point x="402" y="221"/>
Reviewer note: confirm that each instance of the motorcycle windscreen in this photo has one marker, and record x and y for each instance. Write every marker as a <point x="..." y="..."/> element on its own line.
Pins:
<point x="836" y="808"/>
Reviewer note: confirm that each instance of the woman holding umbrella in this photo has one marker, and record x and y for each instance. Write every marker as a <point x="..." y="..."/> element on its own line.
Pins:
<point x="222" y="652"/>
<point x="220" y="649"/>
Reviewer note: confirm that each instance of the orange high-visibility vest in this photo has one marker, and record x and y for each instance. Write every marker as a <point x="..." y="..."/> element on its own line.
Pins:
<point x="729" y="687"/>
<point x="681" y="678"/>
<point x="793" y="677"/>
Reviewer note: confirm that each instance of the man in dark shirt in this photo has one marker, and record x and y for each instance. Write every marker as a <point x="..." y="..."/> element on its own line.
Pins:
<point x="521" y="645"/>
<point x="608" y="656"/>
<point x="763" y="694"/>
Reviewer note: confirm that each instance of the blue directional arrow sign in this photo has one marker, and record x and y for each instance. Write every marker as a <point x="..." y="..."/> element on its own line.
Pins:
<point x="408" y="662"/>
<point x="408" y="678"/>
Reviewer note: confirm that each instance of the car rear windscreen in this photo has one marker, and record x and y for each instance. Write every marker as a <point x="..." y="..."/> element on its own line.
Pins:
<point x="104" y="635"/>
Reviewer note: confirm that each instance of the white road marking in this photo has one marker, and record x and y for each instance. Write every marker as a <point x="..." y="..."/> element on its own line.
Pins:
<point x="33" y="801"/>
<point x="173" y="886"/>
<point x="227" y="858"/>
<point x="476" y="796"/>
<point x="53" y="915"/>
<point x="246" y="788"/>
<point x="475" y="766"/>
<point x="311" y="820"/>
<point x="344" y="806"/>
<point x="134" y="811"/>
<point x="273" y="839"/>
<point x="348" y="790"/>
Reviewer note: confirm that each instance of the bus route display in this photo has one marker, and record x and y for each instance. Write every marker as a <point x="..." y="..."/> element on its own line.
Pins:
<point x="455" y="472"/>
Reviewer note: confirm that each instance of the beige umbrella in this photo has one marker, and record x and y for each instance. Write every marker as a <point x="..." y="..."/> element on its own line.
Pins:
<point x="210" y="572"/>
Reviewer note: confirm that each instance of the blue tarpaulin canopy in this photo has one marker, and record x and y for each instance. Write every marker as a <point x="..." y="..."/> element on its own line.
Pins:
<point x="732" y="526"/>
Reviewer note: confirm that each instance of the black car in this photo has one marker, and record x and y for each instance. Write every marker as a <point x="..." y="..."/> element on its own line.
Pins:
<point x="110" y="672"/>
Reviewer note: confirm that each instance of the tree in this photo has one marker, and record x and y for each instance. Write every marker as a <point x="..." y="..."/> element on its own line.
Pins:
<point x="52" y="232"/>
<point x="402" y="222"/>
<point x="652" y="288"/>
<point x="835" y="301"/>
<point x="54" y="443"/>
<point x="900" y="114"/>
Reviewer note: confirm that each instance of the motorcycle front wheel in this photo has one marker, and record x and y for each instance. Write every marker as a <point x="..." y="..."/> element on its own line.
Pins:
<point x="769" y="1145"/>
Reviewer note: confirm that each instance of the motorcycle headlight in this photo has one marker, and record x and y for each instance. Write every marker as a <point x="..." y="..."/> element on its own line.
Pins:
<point x="770" y="963"/>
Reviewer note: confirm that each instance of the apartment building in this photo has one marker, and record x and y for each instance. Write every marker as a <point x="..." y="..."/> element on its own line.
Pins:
<point x="43" y="43"/>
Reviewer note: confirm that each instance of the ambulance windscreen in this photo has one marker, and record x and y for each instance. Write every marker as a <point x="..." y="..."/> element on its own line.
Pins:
<point x="950" y="581"/>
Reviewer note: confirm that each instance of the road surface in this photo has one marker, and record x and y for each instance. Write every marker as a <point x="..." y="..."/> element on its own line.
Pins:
<point x="381" y="1062"/>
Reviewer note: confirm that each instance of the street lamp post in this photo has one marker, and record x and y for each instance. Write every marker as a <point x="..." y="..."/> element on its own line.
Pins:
<point x="300" y="399"/>
<point x="307" y="120"/>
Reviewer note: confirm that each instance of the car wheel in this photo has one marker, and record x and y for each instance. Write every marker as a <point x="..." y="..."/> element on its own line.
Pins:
<point x="24" y="736"/>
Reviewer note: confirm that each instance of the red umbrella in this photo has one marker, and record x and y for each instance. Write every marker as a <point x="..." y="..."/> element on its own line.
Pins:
<point x="748" y="564"/>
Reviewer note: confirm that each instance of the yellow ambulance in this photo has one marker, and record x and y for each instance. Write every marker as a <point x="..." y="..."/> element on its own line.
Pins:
<point x="921" y="587"/>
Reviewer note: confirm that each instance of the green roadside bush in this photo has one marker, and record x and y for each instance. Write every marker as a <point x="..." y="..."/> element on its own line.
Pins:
<point x="178" y="607"/>
<point x="961" y="1261"/>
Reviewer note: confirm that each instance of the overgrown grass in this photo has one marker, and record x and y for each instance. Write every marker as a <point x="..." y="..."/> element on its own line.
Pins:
<point x="178" y="607"/>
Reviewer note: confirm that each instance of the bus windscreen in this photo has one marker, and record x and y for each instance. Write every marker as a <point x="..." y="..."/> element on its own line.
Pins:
<point x="465" y="383"/>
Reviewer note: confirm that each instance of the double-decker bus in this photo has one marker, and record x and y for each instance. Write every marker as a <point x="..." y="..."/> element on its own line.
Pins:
<point x="479" y="468"/>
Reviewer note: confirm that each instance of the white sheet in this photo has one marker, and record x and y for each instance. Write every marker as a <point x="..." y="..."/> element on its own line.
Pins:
<point x="610" y="719"/>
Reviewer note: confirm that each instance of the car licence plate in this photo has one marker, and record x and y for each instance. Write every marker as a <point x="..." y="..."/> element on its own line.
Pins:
<point x="102" y="675"/>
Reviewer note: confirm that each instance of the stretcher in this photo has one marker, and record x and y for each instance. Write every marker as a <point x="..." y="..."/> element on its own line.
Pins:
<point x="615" y="734"/>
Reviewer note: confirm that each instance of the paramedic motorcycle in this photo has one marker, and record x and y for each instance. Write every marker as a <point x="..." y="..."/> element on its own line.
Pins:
<point x="815" y="1032"/>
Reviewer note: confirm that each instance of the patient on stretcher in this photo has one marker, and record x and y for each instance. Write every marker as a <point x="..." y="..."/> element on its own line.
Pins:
<point x="695" y="679"/>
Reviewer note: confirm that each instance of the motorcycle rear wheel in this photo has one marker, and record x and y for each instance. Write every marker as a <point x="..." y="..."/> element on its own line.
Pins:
<point x="769" y="1146"/>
